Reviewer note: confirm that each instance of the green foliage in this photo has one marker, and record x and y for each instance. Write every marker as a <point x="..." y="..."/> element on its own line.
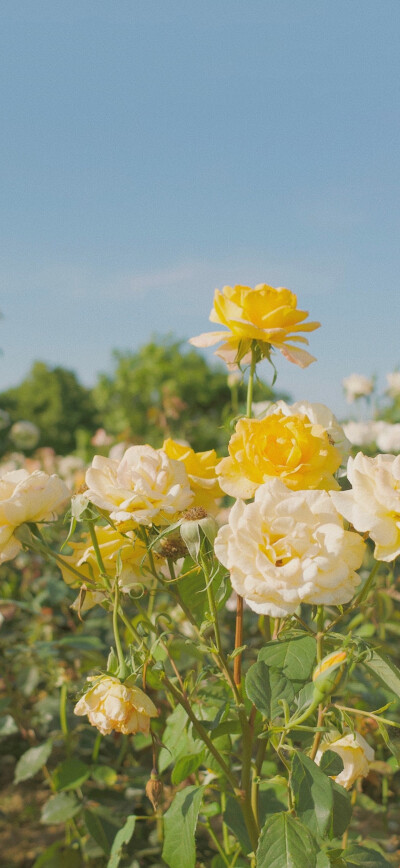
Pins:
<point x="31" y="761"/>
<point x="55" y="401"/>
<point x="59" y="809"/>
<point x="180" y="823"/>
<point x="286" y="843"/>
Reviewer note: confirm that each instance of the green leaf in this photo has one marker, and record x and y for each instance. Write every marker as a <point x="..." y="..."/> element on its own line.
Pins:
<point x="59" y="808"/>
<point x="281" y="688"/>
<point x="295" y="657"/>
<point x="286" y="843"/>
<point x="342" y="810"/>
<point x="312" y="793"/>
<point x="177" y="741"/>
<point x="180" y="823"/>
<point x="331" y="763"/>
<point x="233" y="818"/>
<point x="100" y="828"/>
<point x="258" y="687"/>
<point x="70" y="774"/>
<point x="59" y="856"/>
<point x="122" y="837"/>
<point x="185" y="766"/>
<point x="384" y="670"/>
<point x="356" y="856"/>
<point x="31" y="761"/>
<point x="7" y="725"/>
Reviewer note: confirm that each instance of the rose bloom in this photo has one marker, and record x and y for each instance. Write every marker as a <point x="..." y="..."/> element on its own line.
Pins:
<point x="285" y="443"/>
<point x="112" y="706"/>
<point x="113" y="547"/>
<point x="264" y="314"/>
<point x="388" y="438"/>
<point x="200" y="468"/>
<point x="145" y="486"/>
<point x="363" y="433"/>
<point x="357" y="386"/>
<point x="373" y="503"/>
<point x="27" y="497"/>
<point x="288" y="548"/>
<point x="356" y="754"/>
<point x="393" y="381"/>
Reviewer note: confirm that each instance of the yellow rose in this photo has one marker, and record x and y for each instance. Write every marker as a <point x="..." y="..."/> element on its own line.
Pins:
<point x="200" y="468"/>
<point x="112" y="706"/>
<point x="131" y="553"/>
<point x="290" y="447"/>
<point x="27" y="497"/>
<point x="264" y="314"/>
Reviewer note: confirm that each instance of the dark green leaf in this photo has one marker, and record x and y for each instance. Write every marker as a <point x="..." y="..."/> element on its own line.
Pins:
<point x="365" y="857"/>
<point x="180" y="823"/>
<point x="185" y="766"/>
<point x="59" y="856"/>
<point x="100" y="828"/>
<point x="384" y="670"/>
<point x="122" y="837"/>
<point x="342" y="810"/>
<point x="331" y="763"/>
<point x="233" y="818"/>
<point x="70" y="774"/>
<point x="31" y="761"/>
<point x="286" y="843"/>
<point x="312" y="793"/>
<point x="258" y="687"/>
<point x="59" y="809"/>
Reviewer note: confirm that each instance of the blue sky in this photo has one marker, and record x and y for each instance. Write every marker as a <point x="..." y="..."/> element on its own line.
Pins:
<point x="152" y="151"/>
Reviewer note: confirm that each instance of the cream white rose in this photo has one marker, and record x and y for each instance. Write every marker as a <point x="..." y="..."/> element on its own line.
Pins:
<point x="373" y="503"/>
<point x="363" y="433"/>
<point x="355" y="753"/>
<point x="388" y="437"/>
<point x="144" y="487"/>
<point x="112" y="706"/>
<point x="393" y="381"/>
<point x="357" y="386"/>
<point x="27" y="497"/>
<point x="289" y="547"/>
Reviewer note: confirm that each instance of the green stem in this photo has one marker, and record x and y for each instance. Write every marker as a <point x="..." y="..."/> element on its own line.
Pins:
<point x="122" y="670"/>
<point x="210" y="830"/>
<point x="96" y="747"/>
<point x="63" y="711"/>
<point x="250" y="385"/>
<point x="99" y="558"/>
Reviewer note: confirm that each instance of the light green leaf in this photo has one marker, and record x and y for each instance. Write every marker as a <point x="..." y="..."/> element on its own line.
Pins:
<point x="180" y="823"/>
<point x="384" y="670"/>
<point x="362" y="857"/>
<point x="59" y="808"/>
<point x="31" y="761"/>
<point x="122" y="837"/>
<point x="70" y="774"/>
<point x="286" y="843"/>
<point x="7" y="725"/>
<point x="185" y="766"/>
<point x="312" y="791"/>
<point x="177" y="741"/>
<point x="104" y="775"/>
<point x="258" y="687"/>
<point x="295" y="657"/>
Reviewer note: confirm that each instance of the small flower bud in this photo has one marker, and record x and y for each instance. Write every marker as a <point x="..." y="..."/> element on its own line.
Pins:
<point x="196" y="525"/>
<point x="154" y="789"/>
<point x="328" y="673"/>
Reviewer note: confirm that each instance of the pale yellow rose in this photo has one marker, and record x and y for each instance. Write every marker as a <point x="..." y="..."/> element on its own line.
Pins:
<point x="114" y="548"/>
<point x="287" y="445"/>
<point x="289" y="547"/>
<point x="372" y="505"/>
<point x="356" y="754"/>
<point x="144" y="487"/>
<point x="357" y="386"/>
<point x="265" y="314"/>
<point x="111" y="706"/>
<point x="27" y="497"/>
<point x="200" y="468"/>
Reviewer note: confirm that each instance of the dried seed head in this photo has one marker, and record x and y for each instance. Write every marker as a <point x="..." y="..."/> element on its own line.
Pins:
<point x="173" y="548"/>
<point x="194" y="513"/>
<point x="154" y="789"/>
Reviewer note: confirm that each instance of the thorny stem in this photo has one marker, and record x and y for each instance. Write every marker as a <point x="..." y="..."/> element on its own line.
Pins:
<point x="122" y="670"/>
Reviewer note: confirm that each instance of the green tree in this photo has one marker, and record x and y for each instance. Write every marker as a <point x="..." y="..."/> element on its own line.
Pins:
<point x="55" y="401"/>
<point x="167" y="389"/>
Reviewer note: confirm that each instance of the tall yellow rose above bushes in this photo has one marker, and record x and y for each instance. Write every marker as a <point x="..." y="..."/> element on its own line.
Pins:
<point x="265" y="314"/>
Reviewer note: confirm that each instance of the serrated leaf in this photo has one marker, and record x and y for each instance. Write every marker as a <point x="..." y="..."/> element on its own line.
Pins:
<point x="295" y="657"/>
<point x="122" y="837"/>
<point x="31" y="761"/>
<point x="180" y="823"/>
<point x="331" y="763"/>
<point x="286" y="843"/>
<point x="59" y="809"/>
<point x="258" y="687"/>
<point x="312" y="791"/>
<point x="384" y="670"/>
<point x="357" y="856"/>
<point x="70" y="774"/>
<point x="185" y="766"/>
